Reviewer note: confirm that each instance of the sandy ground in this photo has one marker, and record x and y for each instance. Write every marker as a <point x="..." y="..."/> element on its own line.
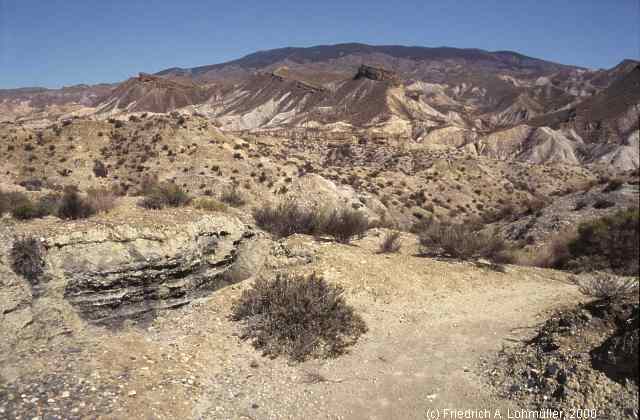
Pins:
<point x="433" y="328"/>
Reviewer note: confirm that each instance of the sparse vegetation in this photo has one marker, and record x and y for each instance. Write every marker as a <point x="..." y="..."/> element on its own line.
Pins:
<point x="610" y="243"/>
<point x="27" y="258"/>
<point x="168" y="194"/>
<point x="99" y="169"/>
<point x="73" y="207"/>
<point x="462" y="242"/>
<point x="344" y="224"/>
<point x="233" y="197"/>
<point x="390" y="243"/>
<point x="298" y="316"/>
<point x="101" y="199"/>
<point x="287" y="218"/>
<point x="607" y="287"/>
<point x="209" y="204"/>
<point x="603" y="204"/>
<point x="613" y="185"/>
<point x="23" y="208"/>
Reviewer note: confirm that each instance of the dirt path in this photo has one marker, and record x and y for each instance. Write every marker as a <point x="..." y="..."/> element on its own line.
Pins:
<point x="431" y="325"/>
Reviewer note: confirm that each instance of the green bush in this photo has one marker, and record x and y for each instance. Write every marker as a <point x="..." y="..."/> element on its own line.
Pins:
<point x="297" y="316"/>
<point x="22" y="208"/>
<point x="610" y="243"/>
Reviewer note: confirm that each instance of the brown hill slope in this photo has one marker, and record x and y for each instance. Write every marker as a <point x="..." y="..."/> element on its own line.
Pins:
<point x="152" y="94"/>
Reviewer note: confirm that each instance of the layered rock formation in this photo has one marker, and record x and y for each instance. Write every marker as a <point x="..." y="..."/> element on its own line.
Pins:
<point x="105" y="273"/>
<point x="152" y="94"/>
<point x="376" y="73"/>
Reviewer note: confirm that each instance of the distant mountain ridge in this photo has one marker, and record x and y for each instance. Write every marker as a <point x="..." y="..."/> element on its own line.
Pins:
<point x="502" y="103"/>
<point x="319" y="53"/>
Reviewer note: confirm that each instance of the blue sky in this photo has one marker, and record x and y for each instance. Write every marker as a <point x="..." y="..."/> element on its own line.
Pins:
<point x="63" y="42"/>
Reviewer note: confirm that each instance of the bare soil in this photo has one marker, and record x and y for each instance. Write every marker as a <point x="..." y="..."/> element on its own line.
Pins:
<point x="434" y="328"/>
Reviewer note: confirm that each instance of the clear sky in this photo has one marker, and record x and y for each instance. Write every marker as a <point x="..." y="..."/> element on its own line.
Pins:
<point x="62" y="42"/>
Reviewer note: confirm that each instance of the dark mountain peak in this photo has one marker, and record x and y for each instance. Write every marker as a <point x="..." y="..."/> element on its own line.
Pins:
<point x="323" y="53"/>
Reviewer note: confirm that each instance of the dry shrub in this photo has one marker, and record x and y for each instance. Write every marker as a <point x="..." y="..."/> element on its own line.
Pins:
<point x="100" y="169"/>
<point x="552" y="254"/>
<point x="421" y="225"/>
<point x="23" y="208"/>
<point x="73" y="207"/>
<point x="462" y="242"/>
<point x="344" y="224"/>
<point x="233" y="197"/>
<point x="11" y="200"/>
<point x="209" y="204"/>
<point x="613" y="185"/>
<point x="287" y="218"/>
<point x="390" y="243"/>
<point x="610" y="243"/>
<point x="297" y="316"/>
<point x="164" y="195"/>
<point x="534" y="206"/>
<point x="605" y="286"/>
<point x="101" y="199"/>
<point x="27" y="258"/>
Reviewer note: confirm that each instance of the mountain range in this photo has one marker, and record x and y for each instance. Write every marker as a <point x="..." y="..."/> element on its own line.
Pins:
<point x="501" y="103"/>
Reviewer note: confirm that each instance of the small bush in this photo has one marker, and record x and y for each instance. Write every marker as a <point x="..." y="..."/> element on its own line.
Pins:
<point x="581" y="204"/>
<point x="10" y="200"/>
<point x="344" y="224"/>
<point x="421" y="225"/>
<point x="462" y="242"/>
<point x="606" y="286"/>
<point x="299" y="317"/>
<point x="73" y="207"/>
<point x="101" y="199"/>
<point x="27" y="258"/>
<point x="99" y="169"/>
<point x="390" y="243"/>
<point x="165" y="195"/>
<point x="613" y="185"/>
<point x="287" y="218"/>
<point x="233" y="197"/>
<point x="24" y="209"/>
<point x="209" y="204"/>
<point x="552" y="254"/>
<point x="32" y="184"/>
<point x="603" y="204"/>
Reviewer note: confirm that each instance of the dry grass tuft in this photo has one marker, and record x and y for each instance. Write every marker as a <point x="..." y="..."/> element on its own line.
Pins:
<point x="606" y="286"/>
<point x="390" y="243"/>
<point x="102" y="200"/>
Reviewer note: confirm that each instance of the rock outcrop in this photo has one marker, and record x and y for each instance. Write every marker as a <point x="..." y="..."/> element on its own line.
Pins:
<point x="105" y="273"/>
<point x="314" y="191"/>
<point x="376" y="73"/>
